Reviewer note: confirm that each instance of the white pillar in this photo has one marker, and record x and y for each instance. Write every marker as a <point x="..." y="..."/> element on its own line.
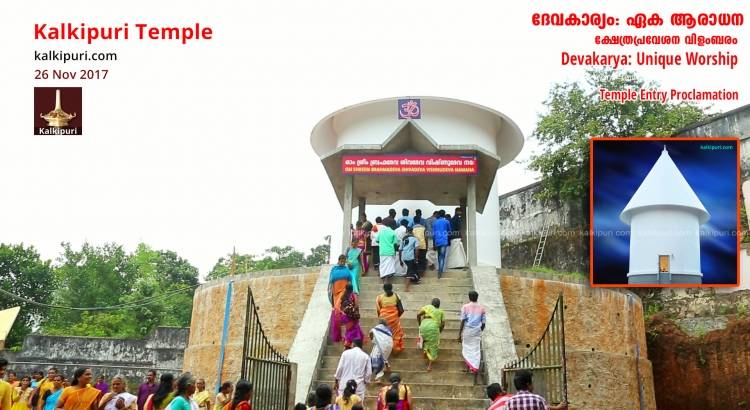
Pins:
<point x="362" y="205"/>
<point x="346" y="225"/>
<point x="471" y="220"/>
<point x="488" y="231"/>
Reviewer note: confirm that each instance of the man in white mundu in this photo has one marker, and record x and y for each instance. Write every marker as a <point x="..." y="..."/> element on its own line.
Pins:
<point x="354" y="364"/>
<point x="388" y="259"/>
<point x="473" y="318"/>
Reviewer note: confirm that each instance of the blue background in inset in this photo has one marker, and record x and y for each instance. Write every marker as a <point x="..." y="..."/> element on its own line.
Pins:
<point x="620" y="167"/>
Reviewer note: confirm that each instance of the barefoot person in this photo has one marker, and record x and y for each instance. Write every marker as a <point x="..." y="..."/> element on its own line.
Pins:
<point x="387" y="249"/>
<point x="355" y="262"/>
<point x="338" y="280"/>
<point x="388" y="306"/>
<point x="354" y="364"/>
<point x="407" y="256"/>
<point x="473" y="318"/>
<point x="382" y="345"/>
<point x="431" y="323"/>
<point x="350" y="316"/>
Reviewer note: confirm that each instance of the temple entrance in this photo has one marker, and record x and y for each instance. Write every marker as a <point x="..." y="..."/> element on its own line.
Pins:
<point x="439" y="150"/>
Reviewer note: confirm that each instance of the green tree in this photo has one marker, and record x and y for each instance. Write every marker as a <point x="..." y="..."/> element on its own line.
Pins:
<point x="24" y="273"/>
<point x="276" y="257"/>
<point x="575" y="114"/>
<point x="162" y="278"/>
<point x="94" y="276"/>
<point x="318" y="255"/>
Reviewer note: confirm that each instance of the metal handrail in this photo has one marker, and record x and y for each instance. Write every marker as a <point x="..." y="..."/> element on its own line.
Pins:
<point x="263" y="365"/>
<point x="547" y="359"/>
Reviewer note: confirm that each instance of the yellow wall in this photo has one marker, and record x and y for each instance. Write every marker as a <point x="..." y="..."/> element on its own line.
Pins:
<point x="603" y="328"/>
<point x="282" y="297"/>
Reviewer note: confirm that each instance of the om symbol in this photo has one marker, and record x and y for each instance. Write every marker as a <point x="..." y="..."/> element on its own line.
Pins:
<point x="409" y="110"/>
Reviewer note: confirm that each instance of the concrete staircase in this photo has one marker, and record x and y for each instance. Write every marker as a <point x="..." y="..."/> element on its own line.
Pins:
<point x="447" y="386"/>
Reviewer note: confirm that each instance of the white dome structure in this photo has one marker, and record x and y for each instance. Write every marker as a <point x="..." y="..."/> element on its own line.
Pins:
<point x="664" y="216"/>
<point x="444" y="126"/>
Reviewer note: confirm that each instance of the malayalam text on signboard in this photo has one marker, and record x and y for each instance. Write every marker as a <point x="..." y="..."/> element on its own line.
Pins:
<point x="409" y="164"/>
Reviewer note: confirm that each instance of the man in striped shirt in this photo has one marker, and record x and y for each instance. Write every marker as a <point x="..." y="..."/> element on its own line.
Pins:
<point x="525" y="399"/>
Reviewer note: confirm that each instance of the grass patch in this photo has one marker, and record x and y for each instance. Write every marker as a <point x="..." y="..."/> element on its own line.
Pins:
<point x="544" y="269"/>
<point x="742" y="310"/>
<point x="701" y="331"/>
<point x="651" y="310"/>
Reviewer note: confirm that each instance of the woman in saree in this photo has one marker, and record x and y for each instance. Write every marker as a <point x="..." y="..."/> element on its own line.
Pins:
<point x="164" y="393"/>
<point x="185" y="389"/>
<point x="118" y="398"/>
<point x="202" y="396"/>
<point x="360" y="235"/>
<point x="354" y="260"/>
<point x="350" y="316"/>
<point x="396" y="396"/>
<point x="431" y="323"/>
<point x="338" y="279"/>
<point x="54" y="393"/>
<point x="382" y="345"/>
<point x="389" y="307"/>
<point x="80" y="395"/>
<point x="22" y="394"/>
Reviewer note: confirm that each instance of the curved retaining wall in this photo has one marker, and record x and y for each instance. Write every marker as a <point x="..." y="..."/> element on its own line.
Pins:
<point x="604" y="332"/>
<point x="282" y="297"/>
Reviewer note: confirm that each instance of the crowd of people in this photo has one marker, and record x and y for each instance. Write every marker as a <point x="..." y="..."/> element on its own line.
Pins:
<point x="56" y="392"/>
<point x="406" y="246"/>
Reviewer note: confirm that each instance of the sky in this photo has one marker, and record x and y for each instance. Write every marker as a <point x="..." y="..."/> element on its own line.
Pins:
<point x="203" y="147"/>
<point x="619" y="169"/>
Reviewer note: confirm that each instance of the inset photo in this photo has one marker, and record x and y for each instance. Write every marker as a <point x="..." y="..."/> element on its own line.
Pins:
<point x="664" y="212"/>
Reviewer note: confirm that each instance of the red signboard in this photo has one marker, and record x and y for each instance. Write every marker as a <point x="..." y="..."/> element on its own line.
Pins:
<point x="409" y="164"/>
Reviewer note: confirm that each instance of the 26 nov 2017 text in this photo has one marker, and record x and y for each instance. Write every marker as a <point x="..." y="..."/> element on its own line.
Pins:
<point x="82" y="74"/>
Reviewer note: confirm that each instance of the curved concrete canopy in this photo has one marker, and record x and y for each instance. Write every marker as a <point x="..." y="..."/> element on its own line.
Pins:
<point x="446" y="126"/>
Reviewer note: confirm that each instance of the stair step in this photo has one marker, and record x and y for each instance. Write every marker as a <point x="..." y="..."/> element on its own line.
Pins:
<point x="441" y="390"/>
<point x="448" y="386"/>
<point x="414" y="305"/>
<point x="447" y="341"/>
<point x="456" y="274"/>
<point x="432" y="403"/>
<point x="419" y="375"/>
<point x="409" y="313"/>
<point x="419" y="293"/>
<point x="409" y="324"/>
<point x="401" y="362"/>
<point x="429" y="280"/>
<point x="451" y="351"/>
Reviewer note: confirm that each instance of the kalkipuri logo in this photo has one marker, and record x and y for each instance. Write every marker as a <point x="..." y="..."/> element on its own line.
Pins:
<point x="57" y="111"/>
